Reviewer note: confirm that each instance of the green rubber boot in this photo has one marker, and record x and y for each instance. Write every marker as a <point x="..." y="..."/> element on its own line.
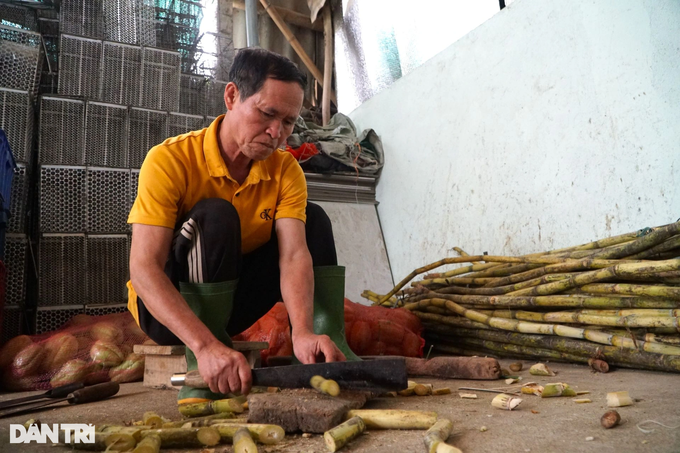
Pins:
<point x="212" y="303"/>
<point x="329" y="306"/>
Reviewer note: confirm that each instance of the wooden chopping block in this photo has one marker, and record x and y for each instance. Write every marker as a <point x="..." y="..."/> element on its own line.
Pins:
<point x="161" y="362"/>
<point x="304" y="410"/>
<point x="478" y="368"/>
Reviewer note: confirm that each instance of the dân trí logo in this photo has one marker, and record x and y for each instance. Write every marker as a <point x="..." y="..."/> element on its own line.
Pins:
<point x="76" y="433"/>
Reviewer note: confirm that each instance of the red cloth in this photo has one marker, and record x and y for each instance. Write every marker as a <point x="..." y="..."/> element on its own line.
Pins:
<point x="304" y="152"/>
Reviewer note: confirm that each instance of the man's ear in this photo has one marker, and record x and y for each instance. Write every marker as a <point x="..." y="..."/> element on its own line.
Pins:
<point x="231" y="95"/>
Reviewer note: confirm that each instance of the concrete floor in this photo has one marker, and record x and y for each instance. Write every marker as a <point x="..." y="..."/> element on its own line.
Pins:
<point x="538" y="425"/>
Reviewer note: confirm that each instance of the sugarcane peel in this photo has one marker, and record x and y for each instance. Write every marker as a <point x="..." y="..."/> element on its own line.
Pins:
<point x="619" y="399"/>
<point x="506" y="402"/>
<point x="409" y="390"/>
<point x="532" y="388"/>
<point x="394" y="419"/>
<point x="338" y="437"/>
<point x="557" y="389"/>
<point x="326" y="386"/>
<point x="541" y="369"/>
<point x="243" y="442"/>
<point x="150" y="444"/>
<point x="423" y="389"/>
<point x="582" y="400"/>
<point x="471" y="396"/>
<point x="511" y="380"/>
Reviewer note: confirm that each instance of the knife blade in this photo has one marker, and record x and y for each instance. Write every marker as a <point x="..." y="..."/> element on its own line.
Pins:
<point x="57" y="392"/>
<point x="372" y="375"/>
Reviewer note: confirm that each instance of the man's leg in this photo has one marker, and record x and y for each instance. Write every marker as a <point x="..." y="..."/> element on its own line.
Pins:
<point x="204" y="265"/>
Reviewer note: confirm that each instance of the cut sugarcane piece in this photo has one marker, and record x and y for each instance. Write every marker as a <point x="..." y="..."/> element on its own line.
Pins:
<point x="423" y="389"/>
<point x="532" y="388"/>
<point x="205" y="436"/>
<point x="150" y="444"/>
<point x="211" y="407"/>
<point x="442" y="391"/>
<point x="619" y="399"/>
<point x="243" y="442"/>
<point x="471" y="396"/>
<point x="512" y="380"/>
<point x="195" y="422"/>
<point x="152" y="419"/>
<point x="557" y="389"/>
<point x="134" y="431"/>
<point x="394" y="419"/>
<point x="540" y="369"/>
<point x="435" y="437"/>
<point x="506" y="402"/>
<point x="582" y="400"/>
<point x="327" y="386"/>
<point x="408" y="391"/>
<point x="262" y="433"/>
<point x="610" y="419"/>
<point x="338" y="437"/>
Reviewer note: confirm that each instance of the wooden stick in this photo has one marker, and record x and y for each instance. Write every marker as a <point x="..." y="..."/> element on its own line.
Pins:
<point x="327" y="64"/>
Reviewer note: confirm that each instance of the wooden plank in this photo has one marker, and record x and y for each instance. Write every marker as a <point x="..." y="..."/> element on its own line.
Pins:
<point x="179" y="350"/>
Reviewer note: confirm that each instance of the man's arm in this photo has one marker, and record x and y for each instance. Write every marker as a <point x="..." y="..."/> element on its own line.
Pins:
<point x="297" y="290"/>
<point x="224" y="369"/>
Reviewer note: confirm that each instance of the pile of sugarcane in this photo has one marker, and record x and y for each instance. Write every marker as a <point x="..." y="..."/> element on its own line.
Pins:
<point x="616" y="299"/>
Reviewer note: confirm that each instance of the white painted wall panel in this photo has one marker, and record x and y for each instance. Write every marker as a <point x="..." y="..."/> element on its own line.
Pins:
<point x="551" y="124"/>
<point x="360" y="248"/>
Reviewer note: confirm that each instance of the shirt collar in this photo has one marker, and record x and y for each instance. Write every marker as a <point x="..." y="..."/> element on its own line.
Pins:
<point x="215" y="161"/>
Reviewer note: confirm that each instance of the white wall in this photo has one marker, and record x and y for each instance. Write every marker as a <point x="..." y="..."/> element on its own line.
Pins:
<point x="551" y="124"/>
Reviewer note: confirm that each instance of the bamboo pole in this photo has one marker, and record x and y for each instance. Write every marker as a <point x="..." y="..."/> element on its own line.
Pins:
<point x="288" y="15"/>
<point x="295" y="44"/>
<point x="327" y="64"/>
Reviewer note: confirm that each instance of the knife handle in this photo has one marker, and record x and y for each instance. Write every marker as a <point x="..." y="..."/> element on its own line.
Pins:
<point x="193" y="379"/>
<point x="64" y="390"/>
<point x="95" y="392"/>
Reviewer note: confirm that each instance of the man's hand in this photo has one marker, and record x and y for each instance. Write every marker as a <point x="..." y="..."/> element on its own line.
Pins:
<point x="312" y="348"/>
<point x="223" y="369"/>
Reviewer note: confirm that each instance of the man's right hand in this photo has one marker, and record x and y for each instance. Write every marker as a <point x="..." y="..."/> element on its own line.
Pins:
<point x="224" y="369"/>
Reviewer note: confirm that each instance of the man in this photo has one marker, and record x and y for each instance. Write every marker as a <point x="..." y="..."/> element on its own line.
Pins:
<point x="222" y="231"/>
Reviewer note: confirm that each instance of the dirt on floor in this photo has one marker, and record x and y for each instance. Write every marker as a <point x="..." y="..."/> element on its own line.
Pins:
<point x="540" y="425"/>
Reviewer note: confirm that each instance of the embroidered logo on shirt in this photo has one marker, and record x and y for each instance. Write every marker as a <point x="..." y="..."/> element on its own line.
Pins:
<point x="264" y="215"/>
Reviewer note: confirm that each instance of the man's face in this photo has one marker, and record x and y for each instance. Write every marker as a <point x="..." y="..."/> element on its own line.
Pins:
<point x="266" y="119"/>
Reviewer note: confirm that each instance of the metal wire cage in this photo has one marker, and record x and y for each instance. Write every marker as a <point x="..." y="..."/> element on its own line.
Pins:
<point x="61" y="131"/>
<point x="79" y="66"/>
<point x="108" y="195"/>
<point x="48" y="319"/>
<point x="192" y="94"/>
<point x="62" y="199"/>
<point x="160" y="80"/>
<point x="12" y="321"/>
<point x="120" y="20"/>
<point x="101" y="310"/>
<point x="134" y="183"/>
<point x="214" y="98"/>
<point x="106" y="135"/>
<point x="147" y="129"/>
<point x="16" y="254"/>
<point x="82" y="17"/>
<point x="107" y="268"/>
<point x="179" y="123"/>
<point x="21" y="57"/>
<point x="18" y="16"/>
<point x="122" y="66"/>
<point x="62" y="270"/>
<point x="16" y="119"/>
<point x="18" y="200"/>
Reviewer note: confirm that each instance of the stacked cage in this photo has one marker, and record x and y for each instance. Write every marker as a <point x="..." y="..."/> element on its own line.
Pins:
<point x="21" y="61"/>
<point x="111" y="87"/>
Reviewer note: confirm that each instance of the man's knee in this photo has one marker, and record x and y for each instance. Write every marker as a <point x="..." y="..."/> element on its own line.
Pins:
<point x="317" y="219"/>
<point x="215" y="211"/>
<point x="320" y="240"/>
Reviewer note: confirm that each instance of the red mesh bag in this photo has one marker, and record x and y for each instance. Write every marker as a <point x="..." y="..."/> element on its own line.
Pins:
<point x="89" y="349"/>
<point x="369" y="331"/>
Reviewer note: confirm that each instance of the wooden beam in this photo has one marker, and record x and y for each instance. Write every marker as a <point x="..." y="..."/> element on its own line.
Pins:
<point x="297" y="47"/>
<point x="288" y="15"/>
<point x="327" y="64"/>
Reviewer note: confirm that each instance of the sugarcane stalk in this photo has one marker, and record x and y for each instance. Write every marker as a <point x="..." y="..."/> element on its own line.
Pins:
<point x="599" y="320"/>
<point x="243" y="442"/>
<point x="633" y="290"/>
<point x="435" y="437"/>
<point x="262" y="433"/>
<point x="211" y="407"/>
<point x="205" y="436"/>
<point x="152" y="419"/>
<point x="585" y="278"/>
<point x="134" y="431"/>
<point x="196" y="422"/>
<point x="577" y="350"/>
<point x="500" y="289"/>
<point x="338" y="437"/>
<point x="394" y="419"/>
<point x="464" y="270"/>
<point x="648" y="241"/>
<point x="636" y="312"/>
<point x="150" y="444"/>
<point x="102" y="442"/>
<point x="557" y="389"/>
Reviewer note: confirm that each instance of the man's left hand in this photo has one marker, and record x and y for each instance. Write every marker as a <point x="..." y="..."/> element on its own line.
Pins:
<point x="312" y="348"/>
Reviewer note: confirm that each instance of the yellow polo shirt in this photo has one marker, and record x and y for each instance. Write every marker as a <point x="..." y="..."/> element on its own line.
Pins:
<point x="186" y="169"/>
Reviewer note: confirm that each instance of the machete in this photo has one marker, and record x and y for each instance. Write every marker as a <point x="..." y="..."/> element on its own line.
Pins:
<point x="370" y="375"/>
